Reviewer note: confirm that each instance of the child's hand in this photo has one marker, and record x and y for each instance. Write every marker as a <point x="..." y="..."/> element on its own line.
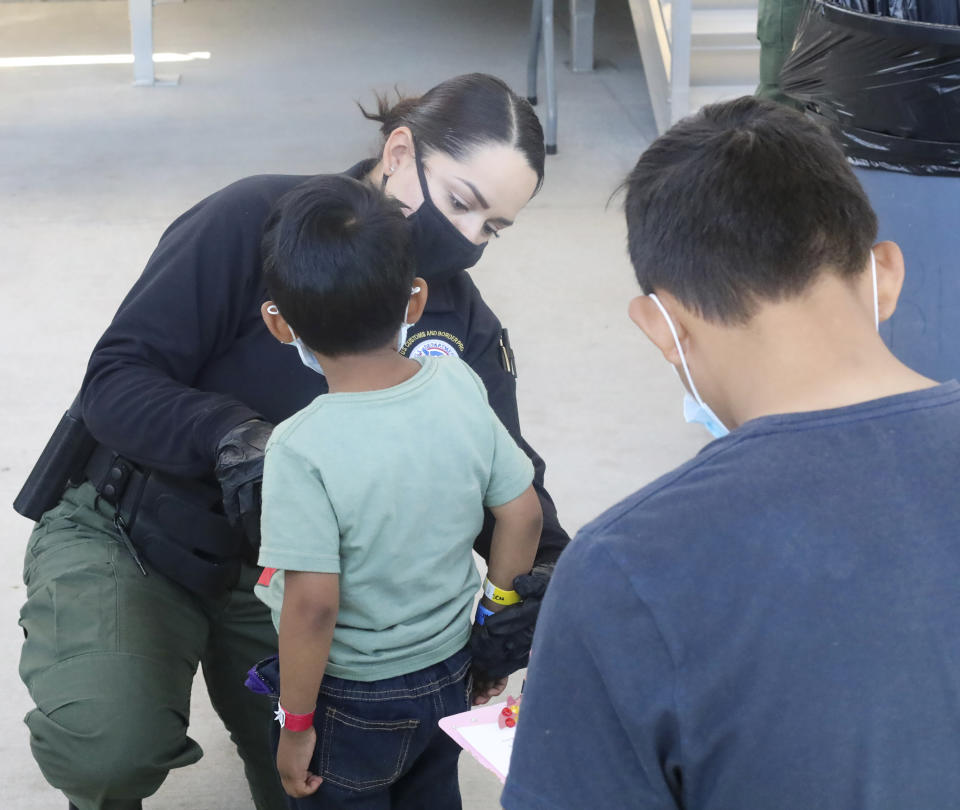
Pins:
<point x="293" y="758"/>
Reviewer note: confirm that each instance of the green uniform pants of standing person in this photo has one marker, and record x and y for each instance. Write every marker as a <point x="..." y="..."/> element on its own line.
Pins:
<point x="777" y="22"/>
<point x="110" y="657"/>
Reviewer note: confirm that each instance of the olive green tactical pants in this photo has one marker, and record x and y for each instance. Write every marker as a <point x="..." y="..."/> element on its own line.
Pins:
<point x="777" y="22"/>
<point x="110" y="656"/>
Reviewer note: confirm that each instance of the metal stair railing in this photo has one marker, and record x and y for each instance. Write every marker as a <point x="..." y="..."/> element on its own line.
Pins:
<point x="664" y="34"/>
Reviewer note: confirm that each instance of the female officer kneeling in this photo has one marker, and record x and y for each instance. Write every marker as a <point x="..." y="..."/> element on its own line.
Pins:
<point x="141" y="569"/>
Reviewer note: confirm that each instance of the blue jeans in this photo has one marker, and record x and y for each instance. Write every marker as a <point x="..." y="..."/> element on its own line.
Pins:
<point x="378" y="743"/>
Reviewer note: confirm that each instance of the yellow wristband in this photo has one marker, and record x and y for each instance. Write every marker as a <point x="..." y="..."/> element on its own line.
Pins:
<point x="498" y="595"/>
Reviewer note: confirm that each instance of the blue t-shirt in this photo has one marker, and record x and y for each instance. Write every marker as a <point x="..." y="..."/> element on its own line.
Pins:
<point x="775" y="625"/>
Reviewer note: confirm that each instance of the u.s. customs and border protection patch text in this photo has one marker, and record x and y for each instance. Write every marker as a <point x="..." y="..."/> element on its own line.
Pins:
<point x="432" y="343"/>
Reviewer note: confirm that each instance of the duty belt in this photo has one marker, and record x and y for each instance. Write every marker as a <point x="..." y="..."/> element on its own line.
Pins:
<point x="117" y="481"/>
<point x="176" y="524"/>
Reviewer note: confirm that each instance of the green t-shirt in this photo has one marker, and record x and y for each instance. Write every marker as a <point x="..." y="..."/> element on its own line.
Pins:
<point x="387" y="489"/>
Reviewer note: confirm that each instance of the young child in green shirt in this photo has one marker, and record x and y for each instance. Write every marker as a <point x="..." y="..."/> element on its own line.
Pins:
<point x="372" y="497"/>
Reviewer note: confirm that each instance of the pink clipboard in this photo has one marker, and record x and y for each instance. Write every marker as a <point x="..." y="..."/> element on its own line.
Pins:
<point x="478" y="732"/>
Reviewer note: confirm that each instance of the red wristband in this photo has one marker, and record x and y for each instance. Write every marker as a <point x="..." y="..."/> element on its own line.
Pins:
<point x="293" y="722"/>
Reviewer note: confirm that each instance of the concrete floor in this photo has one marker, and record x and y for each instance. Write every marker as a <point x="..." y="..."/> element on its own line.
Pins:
<point x="92" y="170"/>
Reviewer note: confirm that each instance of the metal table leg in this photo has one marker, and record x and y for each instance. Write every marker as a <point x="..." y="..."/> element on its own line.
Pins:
<point x="141" y="38"/>
<point x="582" y="14"/>
<point x="541" y="31"/>
<point x="550" y="134"/>
<point x="533" y="50"/>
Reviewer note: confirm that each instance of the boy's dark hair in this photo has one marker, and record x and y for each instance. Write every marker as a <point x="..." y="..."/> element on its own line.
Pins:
<point x="337" y="263"/>
<point x="744" y="202"/>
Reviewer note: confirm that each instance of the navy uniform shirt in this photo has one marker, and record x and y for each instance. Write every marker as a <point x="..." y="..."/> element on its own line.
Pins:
<point x="775" y="625"/>
<point x="188" y="357"/>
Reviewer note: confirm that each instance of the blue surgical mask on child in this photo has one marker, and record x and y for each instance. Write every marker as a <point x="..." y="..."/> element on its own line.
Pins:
<point x="694" y="408"/>
<point x="700" y="412"/>
<point x="309" y="359"/>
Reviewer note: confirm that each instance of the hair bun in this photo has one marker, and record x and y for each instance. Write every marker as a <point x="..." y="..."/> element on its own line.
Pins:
<point x="390" y="116"/>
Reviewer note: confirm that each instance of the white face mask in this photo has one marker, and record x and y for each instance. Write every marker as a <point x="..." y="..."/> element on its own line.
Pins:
<point x="307" y="357"/>
<point x="694" y="408"/>
<point x="404" y="326"/>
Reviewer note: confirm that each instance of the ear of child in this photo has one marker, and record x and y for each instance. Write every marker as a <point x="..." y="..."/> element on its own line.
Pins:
<point x="275" y="322"/>
<point x="418" y="300"/>
<point x="891" y="271"/>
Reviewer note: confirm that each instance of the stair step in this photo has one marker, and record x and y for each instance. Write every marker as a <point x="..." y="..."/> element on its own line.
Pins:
<point x="725" y="66"/>
<point x="697" y="5"/>
<point x="718" y="27"/>
<point x="723" y="53"/>
<point x="716" y="21"/>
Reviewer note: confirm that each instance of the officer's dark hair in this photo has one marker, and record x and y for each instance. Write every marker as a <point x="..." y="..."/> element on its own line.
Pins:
<point x="462" y="113"/>
<point x="744" y="202"/>
<point x="337" y="263"/>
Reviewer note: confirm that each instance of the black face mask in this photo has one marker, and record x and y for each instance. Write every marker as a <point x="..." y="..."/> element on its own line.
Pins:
<point x="441" y="251"/>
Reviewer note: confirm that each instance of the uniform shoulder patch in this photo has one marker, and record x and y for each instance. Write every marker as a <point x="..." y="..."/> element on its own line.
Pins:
<point x="433" y="343"/>
<point x="434" y="348"/>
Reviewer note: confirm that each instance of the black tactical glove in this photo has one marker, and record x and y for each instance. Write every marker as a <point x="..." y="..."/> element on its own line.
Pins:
<point x="240" y="472"/>
<point x="501" y="645"/>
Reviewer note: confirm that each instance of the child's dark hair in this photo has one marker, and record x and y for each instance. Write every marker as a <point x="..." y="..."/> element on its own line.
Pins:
<point x="744" y="202"/>
<point x="462" y="113"/>
<point x="338" y="265"/>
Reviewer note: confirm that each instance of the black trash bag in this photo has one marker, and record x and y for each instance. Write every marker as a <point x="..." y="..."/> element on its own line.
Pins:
<point x="940" y="12"/>
<point x="890" y="89"/>
<point x="899" y="9"/>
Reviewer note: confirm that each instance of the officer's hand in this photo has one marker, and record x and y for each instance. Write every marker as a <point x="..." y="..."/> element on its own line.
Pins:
<point x="484" y="690"/>
<point x="240" y="472"/>
<point x="501" y="645"/>
<point x="293" y="761"/>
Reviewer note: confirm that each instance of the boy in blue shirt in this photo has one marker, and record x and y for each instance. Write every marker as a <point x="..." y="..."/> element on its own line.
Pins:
<point x="774" y="623"/>
<point x="372" y="497"/>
